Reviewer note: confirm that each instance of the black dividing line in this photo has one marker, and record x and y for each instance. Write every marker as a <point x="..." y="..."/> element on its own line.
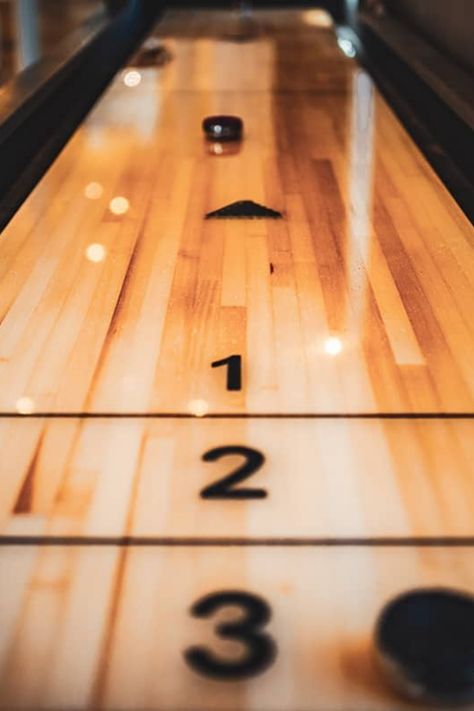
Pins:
<point x="222" y="542"/>
<point x="243" y="415"/>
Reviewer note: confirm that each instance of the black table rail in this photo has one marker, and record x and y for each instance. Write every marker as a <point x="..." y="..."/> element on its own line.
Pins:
<point x="42" y="106"/>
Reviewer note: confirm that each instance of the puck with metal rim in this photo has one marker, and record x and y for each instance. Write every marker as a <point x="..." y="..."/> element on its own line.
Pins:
<point x="223" y="128"/>
<point x="424" y="642"/>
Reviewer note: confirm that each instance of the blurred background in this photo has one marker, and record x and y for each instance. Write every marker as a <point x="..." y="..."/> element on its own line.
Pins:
<point x="419" y="52"/>
<point x="32" y="29"/>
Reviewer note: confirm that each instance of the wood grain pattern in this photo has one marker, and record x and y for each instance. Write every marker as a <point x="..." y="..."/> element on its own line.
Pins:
<point x="116" y="295"/>
<point x="106" y="628"/>
<point x="324" y="478"/>
<point x="373" y="255"/>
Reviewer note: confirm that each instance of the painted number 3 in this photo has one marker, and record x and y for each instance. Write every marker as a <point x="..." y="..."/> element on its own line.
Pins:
<point x="260" y="648"/>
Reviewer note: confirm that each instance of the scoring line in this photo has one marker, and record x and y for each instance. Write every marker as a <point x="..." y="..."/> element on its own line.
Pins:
<point x="221" y="542"/>
<point x="244" y="415"/>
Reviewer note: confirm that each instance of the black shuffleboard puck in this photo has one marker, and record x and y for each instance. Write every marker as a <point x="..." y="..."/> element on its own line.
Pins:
<point x="424" y="642"/>
<point x="223" y="128"/>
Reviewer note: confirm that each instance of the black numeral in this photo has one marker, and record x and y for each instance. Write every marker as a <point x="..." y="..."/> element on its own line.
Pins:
<point x="234" y="371"/>
<point x="260" y="648"/>
<point x="222" y="489"/>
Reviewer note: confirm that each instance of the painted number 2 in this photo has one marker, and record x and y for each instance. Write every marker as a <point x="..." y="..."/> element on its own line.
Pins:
<point x="260" y="648"/>
<point x="223" y="489"/>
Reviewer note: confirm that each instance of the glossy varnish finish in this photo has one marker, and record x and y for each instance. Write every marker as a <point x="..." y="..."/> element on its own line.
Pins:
<point x="106" y="627"/>
<point x="117" y="295"/>
<point x="372" y="260"/>
<point x="324" y="478"/>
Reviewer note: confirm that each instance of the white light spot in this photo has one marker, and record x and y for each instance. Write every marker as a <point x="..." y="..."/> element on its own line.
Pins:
<point x="93" y="191"/>
<point x="217" y="149"/>
<point x="96" y="252"/>
<point x="25" y="405"/>
<point x="119" y="205"/>
<point x="132" y="78"/>
<point x="198" y="408"/>
<point x="151" y="44"/>
<point x="347" y="47"/>
<point x="333" y="346"/>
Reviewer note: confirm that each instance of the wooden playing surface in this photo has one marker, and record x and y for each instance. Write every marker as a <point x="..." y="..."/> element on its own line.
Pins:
<point x="352" y="316"/>
<point x="106" y="627"/>
<point x="372" y="250"/>
<point x="323" y="478"/>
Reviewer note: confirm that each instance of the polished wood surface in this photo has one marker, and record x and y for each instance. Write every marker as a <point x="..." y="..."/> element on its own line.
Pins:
<point x="94" y="628"/>
<point x="324" y="478"/>
<point x="373" y="259"/>
<point x="352" y="316"/>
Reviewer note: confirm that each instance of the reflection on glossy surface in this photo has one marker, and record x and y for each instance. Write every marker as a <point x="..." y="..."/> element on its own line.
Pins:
<point x="347" y="47"/>
<point x="361" y="156"/>
<point x="371" y="250"/>
<point x="333" y="346"/>
<point x="216" y="148"/>
<point x="152" y="44"/>
<point x="132" y="78"/>
<point x="229" y="148"/>
<point x="356" y="301"/>
<point x="119" y="205"/>
<point x="198" y="408"/>
<point x="359" y="224"/>
<point x="93" y="191"/>
<point x="96" y="252"/>
<point x="325" y="477"/>
<point x="324" y="602"/>
<point x="138" y="115"/>
<point x="25" y="405"/>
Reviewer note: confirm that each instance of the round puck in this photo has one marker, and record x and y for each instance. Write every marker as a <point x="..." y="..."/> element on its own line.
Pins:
<point x="425" y="645"/>
<point x="223" y="128"/>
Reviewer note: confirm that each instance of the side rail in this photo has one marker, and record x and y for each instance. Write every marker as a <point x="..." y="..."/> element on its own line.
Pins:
<point x="432" y="97"/>
<point x="42" y="106"/>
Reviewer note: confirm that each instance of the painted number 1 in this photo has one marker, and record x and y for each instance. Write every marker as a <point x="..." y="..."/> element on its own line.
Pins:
<point x="234" y="371"/>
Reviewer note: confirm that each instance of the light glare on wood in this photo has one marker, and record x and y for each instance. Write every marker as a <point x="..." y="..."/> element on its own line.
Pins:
<point x="280" y="408"/>
<point x="199" y="408"/>
<point x="333" y="346"/>
<point x="119" y="205"/>
<point x="93" y="191"/>
<point x="96" y="252"/>
<point x="25" y="405"/>
<point x="132" y="78"/>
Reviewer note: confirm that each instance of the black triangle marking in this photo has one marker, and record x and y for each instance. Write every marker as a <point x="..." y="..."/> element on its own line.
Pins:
<point x="244" y="209"/>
